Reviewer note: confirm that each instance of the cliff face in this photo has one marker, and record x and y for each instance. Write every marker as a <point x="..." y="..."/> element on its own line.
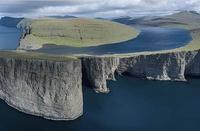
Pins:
<point x="49" y="89"/>
<point x="169" y="66"/>
<point x="53" y="89"/>
<point x="193" y="63"/>
<point x="98" y="70"/>
<point x="165" y="66"/>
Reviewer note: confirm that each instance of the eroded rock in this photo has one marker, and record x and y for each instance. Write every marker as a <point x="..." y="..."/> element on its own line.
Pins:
<point x="44" y="88"/>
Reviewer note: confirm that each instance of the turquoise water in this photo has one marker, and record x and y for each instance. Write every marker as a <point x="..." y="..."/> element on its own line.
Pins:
<point x="133" y="105"/>
<point x="9" y="38"/>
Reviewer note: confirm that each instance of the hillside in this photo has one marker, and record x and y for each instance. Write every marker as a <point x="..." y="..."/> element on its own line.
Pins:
<point x="75" y="32"/>
<point x="189" y="20"/>
<point x="183" y="19"/>
<point x="10" y="22"/>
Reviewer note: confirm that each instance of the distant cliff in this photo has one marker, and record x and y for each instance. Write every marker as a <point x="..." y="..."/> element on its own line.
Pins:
<point x="47" y="88"/>
<point x="10" y="22"/>
<point x="173" y="66"/>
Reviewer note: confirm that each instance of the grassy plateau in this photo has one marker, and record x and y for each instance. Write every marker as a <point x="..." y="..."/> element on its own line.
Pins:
<point x="35" y="56"/>
<point x="76" y="32"/>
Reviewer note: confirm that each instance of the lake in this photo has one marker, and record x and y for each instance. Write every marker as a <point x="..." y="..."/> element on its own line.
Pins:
<point x="150" y="39"/>
<point x="9" y="38"/>
<point x="133" y="105"/>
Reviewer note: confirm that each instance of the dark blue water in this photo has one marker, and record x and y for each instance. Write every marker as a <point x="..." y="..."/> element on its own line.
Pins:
<point x="150" y="39"/>
<point x="132" y="105"/>
<point x="9" y="38"/>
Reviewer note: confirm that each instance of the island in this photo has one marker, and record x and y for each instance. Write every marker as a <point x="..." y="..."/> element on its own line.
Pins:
<point x="50" y="86"/>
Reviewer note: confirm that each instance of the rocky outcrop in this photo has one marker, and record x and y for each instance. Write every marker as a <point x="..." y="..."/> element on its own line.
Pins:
<point x="172" y="66"/>
<point x="46" y="88"/>
<point x="193" y="63"/>
<point x="99" y="69"/>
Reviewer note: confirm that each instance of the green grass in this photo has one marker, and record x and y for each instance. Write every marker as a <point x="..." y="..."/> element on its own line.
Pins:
<point x="192" y="23"/>
<point x="194" y="44"/>
<point x="35" y="56"/>
<point x="77" y="32"/>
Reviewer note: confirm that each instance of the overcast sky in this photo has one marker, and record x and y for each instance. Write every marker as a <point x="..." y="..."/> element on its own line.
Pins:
<point x="94" y="8"/>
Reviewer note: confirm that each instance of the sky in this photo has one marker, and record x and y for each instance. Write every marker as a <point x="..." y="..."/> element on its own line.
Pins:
<point x="94" y="8"/>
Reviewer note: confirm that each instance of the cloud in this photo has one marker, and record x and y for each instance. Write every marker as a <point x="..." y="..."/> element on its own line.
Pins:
<point x="94" y="8"/>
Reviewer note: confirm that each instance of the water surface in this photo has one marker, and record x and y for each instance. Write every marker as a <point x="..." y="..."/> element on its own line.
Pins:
<point x="9" y="38"/>
<point x="133" y="105"/>
<point x="150" y="39"/>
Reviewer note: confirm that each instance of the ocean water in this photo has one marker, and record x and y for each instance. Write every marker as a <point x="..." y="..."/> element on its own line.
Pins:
<point x="9" y="38"/>
<point x="132" y="105"/>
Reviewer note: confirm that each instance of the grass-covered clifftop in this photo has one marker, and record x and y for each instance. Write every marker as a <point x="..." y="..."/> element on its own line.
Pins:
<point x="35" y="56"/>
<point x="75" y="32"/>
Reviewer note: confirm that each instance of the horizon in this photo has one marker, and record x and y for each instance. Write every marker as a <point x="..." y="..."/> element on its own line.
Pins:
<point x="95" y="8"/>
<point x="137" y="16"/>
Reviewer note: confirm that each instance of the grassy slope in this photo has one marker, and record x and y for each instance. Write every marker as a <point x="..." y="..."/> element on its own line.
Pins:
<point x="77" y="32"/>
<point x="191" y="22"/>
<point x="10" y="22"/>
<point x="194" y="44"/>
<point x="183" y="20"/>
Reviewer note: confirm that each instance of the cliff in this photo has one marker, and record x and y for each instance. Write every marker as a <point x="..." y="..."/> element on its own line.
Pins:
<point x="96" y="70"/>
<point x="48" y="88"/>
<point x="172" y="66"/>
<point x="51" y="87"/>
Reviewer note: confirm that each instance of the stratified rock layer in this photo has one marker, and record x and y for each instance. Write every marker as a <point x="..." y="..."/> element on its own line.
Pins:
<point x="44" y="88"/>
<point x="162" y="66"/>
<point x="98" y="70"/>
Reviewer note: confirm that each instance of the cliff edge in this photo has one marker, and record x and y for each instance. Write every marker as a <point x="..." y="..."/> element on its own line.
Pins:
<point x="173" y="66"/>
